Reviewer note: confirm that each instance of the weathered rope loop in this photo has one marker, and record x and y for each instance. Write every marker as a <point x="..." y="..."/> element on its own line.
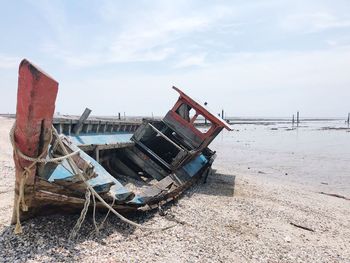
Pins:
<point x="26" y="172"/>
<point x="38" y="160"/>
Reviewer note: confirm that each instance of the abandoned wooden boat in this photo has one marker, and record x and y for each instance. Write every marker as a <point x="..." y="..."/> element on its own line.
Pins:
<point x="128" y="165"/>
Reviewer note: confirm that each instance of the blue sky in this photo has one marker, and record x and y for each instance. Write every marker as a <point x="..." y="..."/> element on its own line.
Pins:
<point x="252" y="58"/>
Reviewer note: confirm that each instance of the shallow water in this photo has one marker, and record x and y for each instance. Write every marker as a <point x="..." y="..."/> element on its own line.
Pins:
<point x="307" y="155"/>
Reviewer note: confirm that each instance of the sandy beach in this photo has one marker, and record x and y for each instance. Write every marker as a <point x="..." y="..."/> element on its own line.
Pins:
<point x="262" y="203"/>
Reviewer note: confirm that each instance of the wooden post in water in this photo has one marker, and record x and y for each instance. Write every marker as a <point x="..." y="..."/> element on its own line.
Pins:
<point x="36" y="97"/>
<point x="118" y="115"/>
<point x="298" y="119"/>
<point x="205" y="119"/>
<point x="348" y="121"/>
<point x="293" y="121"/>
<point x="222" y="114"/>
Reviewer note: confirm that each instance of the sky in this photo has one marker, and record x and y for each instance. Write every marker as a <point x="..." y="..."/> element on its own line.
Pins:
<point x="250" y="58"/>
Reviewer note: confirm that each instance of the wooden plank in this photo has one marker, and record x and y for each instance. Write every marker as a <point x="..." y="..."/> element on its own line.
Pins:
<point x="81" y="163"/>
<point x="190" y="136"/>
<point x="145" y="163"/>
<point x="125" y="169"/>
<point x="53" y="197"/>
<point x="42" y="184"/>
<point x="91" y="147"/>
<point x="81" y="121"/>
<point x="166" y="138"/>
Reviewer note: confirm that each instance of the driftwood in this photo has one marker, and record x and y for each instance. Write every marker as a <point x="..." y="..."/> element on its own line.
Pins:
<point x="302" y="227"/>
<point x="335" y="195"/>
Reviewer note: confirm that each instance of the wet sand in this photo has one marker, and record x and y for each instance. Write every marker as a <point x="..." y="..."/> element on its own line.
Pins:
<point x="265" y="184"/>
<point x="310" y="155"/>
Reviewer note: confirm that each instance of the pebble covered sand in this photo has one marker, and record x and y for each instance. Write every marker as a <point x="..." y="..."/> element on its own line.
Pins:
<point x="234" y="217"/>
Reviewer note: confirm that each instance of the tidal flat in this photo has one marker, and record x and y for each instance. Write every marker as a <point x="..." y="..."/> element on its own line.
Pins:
<point x="261" y="203"/>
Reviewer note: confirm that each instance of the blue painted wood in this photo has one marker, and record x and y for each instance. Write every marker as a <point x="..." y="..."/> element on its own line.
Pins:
<point x="105" y="181"/>
<point x="100" y="183"/>
<point x="138" y="200"/>
<point x="109" y="138"/>
<point x="195" y="165"/>
<point x="62" y="171"/>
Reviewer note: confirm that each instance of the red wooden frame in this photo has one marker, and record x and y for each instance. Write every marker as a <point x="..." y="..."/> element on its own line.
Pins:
<point x="216" y="123"/>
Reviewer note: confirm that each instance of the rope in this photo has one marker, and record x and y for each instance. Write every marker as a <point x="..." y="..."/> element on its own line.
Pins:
<point x="27" y="171"/>
<point x="37" y="160"/>
<point x="50" y="160"/>
<point x="104" y="220"/>
<point x="81" y="219"/>
<point x="98" y="228"/>
<point x="94" y="214"/>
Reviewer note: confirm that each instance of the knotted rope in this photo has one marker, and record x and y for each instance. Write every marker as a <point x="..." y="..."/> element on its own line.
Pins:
<point x="27" y="170"/>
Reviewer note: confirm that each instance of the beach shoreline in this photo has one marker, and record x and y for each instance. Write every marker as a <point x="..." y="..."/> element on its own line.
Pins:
<point x="255" y="207"/>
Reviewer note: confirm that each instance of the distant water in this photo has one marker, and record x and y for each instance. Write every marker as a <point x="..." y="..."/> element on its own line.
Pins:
<point x="309" y="155"/>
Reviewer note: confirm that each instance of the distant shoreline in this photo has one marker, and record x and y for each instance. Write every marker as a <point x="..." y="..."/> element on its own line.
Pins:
<point x="236" y="120"/>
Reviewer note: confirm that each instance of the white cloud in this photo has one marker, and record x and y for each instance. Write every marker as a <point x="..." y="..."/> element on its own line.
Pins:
<point x="250" y="57"/>
<point x="145" y="43"/>
<point x="153" y="42"/>
<point x="150" y="36"/>
<point x="191" y="60"/>
<point x="313" y="22"/>
<point x="276" y="83"/>
<point x="251" y="84"/>
<point x="8" y="62"/>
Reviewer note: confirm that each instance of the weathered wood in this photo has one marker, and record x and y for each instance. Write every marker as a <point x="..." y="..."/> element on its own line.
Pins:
<point x="42" y="184"/>
<point x="166" y="138"/>
<point x="97" y="154"/>
<point x="70" y="204"/>
<point x="92" y="147"/>
<point x="80" y="123"/>
<point x="145" y="163"/>
<point x="74" y="185"/>
<point x="302" y="227"/>
<point x="48" y="196"/>
<point x="190" y="136"/>
<point x="335" y="195"/>
<point x="36" y="98"/>
<point x="82" y="164"/>
<point x="125" y="169"/>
